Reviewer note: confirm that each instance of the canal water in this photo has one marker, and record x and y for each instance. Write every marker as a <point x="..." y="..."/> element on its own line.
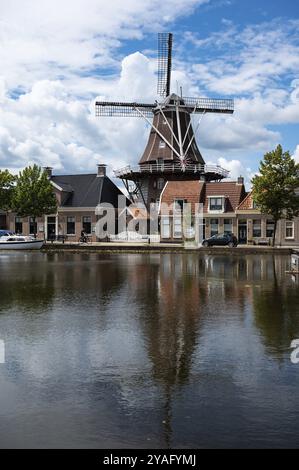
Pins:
<point x="147" y="351"/>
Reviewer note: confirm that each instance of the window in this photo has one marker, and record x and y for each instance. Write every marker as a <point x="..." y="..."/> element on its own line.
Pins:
<point x="270" y="229"/>
<point x="216" y="204"/>
<point x="86" y="224"/>
<point x="179" y="204"/>
<point x="165" y="228"/>
<point x="256" y="229"/>
<point x="162" y="144"/>
<point x="214" y="227"/>
<point x="228" y="226"/>
<point x="160" y="183"/>
<point x="254" y="205"/>
<point x="177" y="227"/>
<point x="289" y="229"/>
<point x="70" y="226"/>
<point x="18" y="225"/>
<point x="32" y="226"/>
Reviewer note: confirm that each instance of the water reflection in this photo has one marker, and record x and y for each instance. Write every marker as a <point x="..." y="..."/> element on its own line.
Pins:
<point x="139" y="349"/>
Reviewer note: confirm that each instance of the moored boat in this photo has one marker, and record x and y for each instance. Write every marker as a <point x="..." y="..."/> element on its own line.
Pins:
<point x="20" y="242"/>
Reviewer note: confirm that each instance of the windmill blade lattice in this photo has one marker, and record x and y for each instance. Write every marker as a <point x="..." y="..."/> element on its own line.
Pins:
<point x="123" y="109"/>
<point x="164" y="63"/>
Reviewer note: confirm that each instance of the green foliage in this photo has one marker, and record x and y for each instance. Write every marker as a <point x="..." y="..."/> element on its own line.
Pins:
<point x="33" y="195"/>
<point x="6" y="189"/>
<point x="274" y="189"/>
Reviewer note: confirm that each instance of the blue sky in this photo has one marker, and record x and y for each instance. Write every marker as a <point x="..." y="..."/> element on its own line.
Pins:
<point x="58" y="56"/>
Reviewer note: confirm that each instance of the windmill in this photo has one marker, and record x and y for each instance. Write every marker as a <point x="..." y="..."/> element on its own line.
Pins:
<point x="171" y="152"/>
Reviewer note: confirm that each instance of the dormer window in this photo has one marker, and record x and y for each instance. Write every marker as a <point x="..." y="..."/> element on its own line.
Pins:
<point x="179" y="205"/>
<point x="216" y="203"/>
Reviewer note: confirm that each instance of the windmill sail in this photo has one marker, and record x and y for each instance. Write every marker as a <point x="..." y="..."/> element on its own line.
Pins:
<point x="164" y="63"/>
<point x="122" y="109"/>
<point x="171" y="152"/>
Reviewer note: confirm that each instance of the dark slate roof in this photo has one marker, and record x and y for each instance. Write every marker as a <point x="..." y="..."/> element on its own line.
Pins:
<point x="65" y="186"/>
<point x="87" y="190"/>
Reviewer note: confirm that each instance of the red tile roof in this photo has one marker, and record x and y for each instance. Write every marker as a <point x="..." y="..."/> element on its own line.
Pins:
<point x="199" y="191"/>
<point x="188" y="190"/>
<point x="247" y="203"/>
<point x="233" y="192"/>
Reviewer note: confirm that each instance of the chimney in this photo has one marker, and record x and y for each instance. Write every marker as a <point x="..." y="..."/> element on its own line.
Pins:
<point x="240" y="180"/>
<point x="48" y="170"/>
<point x="101" y="169"/>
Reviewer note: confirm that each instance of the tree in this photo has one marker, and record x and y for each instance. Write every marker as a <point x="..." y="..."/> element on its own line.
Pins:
<point x="33" y="195"/>
<point x="6" y="189"/>
<point x="274" y="189"/>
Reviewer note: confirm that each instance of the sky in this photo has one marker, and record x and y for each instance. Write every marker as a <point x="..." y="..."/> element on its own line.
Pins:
<point x="58" y="57"/>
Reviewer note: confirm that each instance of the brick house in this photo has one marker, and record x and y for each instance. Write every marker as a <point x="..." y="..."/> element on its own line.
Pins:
<point x="77" y="196"/>
<point x="259" y="228"/>
<point x="219" y="201"/>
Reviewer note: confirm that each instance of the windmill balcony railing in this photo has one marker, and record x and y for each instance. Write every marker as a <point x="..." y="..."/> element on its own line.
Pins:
<point x="172" y="168"/>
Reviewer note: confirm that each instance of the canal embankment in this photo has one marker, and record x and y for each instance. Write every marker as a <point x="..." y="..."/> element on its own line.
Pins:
<point x="164" y="248"/>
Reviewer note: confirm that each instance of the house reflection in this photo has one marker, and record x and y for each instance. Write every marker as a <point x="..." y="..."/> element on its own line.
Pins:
<point x="184" y="290"/>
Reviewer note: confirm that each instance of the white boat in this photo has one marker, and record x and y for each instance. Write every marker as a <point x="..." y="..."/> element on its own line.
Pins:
<point x="20" y="242"/>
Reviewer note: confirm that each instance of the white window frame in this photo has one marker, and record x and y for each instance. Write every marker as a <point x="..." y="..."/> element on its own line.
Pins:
<point x="230" y="225"/>
<point x="177" y="222"/>
<point x="175" y="207"/>
<point x="162" y="144"/>
<point x="215" y="225"/>
<point x="216" y="211"/>
<point x="260" y="228"/>
<point x="292" y="223"/>
<point x="165" y="227"/>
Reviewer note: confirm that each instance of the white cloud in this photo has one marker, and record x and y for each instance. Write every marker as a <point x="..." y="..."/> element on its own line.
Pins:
<point x="61" y="55"/>
<point x="233" y="133"/>
<point x="249" y="60"/>
<point x="296" y="154"/>
<point x="50" y="126"/>
<point x="236" y="168"/>
<point x="57" y="57"/>
<point x="48" y="39"/>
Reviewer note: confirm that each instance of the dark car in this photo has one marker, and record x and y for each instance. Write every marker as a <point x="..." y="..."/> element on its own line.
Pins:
<point x="223" y="239"/>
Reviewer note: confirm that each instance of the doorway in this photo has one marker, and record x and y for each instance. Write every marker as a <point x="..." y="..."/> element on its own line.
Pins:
<point x="242" y="232"/>
<point x="51" y="228"/>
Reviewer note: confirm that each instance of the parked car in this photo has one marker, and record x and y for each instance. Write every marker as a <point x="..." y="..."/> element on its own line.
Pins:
<point x="223" y="239"/>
